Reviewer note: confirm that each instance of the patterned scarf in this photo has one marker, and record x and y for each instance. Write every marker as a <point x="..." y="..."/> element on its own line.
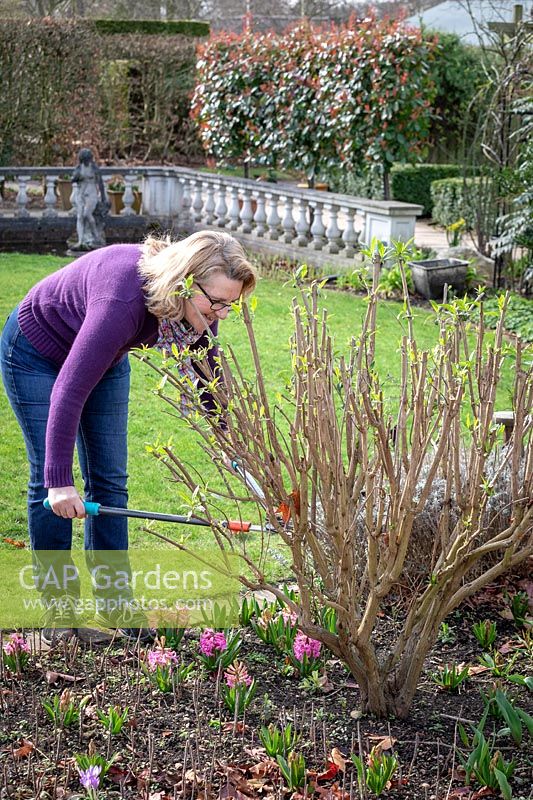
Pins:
<point x="183" y="336"/>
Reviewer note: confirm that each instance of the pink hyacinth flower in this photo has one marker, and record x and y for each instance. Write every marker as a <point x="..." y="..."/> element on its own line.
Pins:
<point x="161" y="657"/>
<point x="211" y="641"/>
<point x="305" y="646"/>
<point x="237" y="675"/>
<point x="289" y="616"/>
<point x="16" y="644"/>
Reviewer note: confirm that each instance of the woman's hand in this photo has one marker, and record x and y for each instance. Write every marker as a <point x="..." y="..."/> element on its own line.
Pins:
<point x="66" y="502"/>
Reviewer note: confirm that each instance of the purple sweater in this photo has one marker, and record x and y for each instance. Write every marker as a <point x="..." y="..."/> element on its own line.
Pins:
<point x="85" y="317"/>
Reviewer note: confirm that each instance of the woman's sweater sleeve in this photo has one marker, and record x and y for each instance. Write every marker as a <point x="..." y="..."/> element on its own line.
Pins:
<point x="106" y="330"/>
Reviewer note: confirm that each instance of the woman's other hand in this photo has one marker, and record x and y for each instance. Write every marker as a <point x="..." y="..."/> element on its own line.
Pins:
<point x="66" y="502"/>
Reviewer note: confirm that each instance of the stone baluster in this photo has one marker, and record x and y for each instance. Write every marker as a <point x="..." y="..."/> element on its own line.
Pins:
<point x="74" y="199"/>
<point x="247" y="211"/>
<point x="234" y="209"/>
<point x="273" y="218"/>
<point x="174" y="196"/>
<point x="209" y="208"/>
<point x="350" y="236"/>
<point x="186" y="201"/>
<point x="260" y="217"/>
<point x="288" y="220"/>
<point x="198" y="201"/>
<point x="221" y="210"/>
<point x="22" y="196"/>
<point x="128" y="198"/>
<point x="318" y="228"/>
<point x="302" y="223"/>
<point x="362" y="233"/>
<point x="50" y="198"/>
<point x="333" y="233"/>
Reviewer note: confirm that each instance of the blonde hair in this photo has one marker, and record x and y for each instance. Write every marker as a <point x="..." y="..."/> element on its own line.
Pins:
<point x="165" y="264"/>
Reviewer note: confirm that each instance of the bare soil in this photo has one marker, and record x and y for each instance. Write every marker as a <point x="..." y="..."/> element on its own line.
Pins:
<point x="185" y="743"/>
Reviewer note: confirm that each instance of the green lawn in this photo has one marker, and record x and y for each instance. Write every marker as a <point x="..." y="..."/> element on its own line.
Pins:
<point x="149" y="484"/>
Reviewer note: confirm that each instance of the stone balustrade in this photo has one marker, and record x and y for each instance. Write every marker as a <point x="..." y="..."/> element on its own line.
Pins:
<point x="276" y="214"/>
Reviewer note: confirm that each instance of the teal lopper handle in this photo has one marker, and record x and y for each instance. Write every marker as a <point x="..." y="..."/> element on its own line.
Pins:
<point x="93" y="509"/>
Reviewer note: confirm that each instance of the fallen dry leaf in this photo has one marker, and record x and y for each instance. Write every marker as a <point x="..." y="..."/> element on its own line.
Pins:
<point x="240" y="727"/>
<point x="255" y="752"/>
<point x="14" y="542"/>
<point x="24" y="750"/>
<point x="383" y="742"/>
<point x="396" y="783"/>
<point x="119" y="775"/>
<point x="54" y="677"/>
<point x="459" y="793"/>
<point x="264" y="768"/>
<point x="333" y="792"/>
<point x="508" y="647"/>
<point x="338" y="759"/>
<point x="229" y="791"/>
<point x="506" y="613"/>
<point x="330" y="772"/>
<point x="477" y="669"/>
<point x="192" y="776"/>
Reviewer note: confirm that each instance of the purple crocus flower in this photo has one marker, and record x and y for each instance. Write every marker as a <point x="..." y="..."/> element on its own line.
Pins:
<point x="90" y="777"/>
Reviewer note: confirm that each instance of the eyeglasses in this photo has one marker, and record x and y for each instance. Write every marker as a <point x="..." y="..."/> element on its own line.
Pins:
<point x="215" y="305"/>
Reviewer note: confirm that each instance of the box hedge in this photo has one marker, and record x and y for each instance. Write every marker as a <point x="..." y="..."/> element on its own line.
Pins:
<point x="412" y="183"/>
<point x="449" y="202"/>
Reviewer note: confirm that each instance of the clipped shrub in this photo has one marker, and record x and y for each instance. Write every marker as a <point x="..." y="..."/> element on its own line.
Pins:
<point x="157" y="27"/>
<point x="122" y="89"/>
<point x="411" y="183"/>
<point x="49" y="78"/>
<point x="312" y="98"/>
<point x="450" y="200"/>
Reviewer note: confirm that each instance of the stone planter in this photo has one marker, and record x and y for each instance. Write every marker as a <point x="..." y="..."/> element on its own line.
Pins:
<point x="430" y="277"/>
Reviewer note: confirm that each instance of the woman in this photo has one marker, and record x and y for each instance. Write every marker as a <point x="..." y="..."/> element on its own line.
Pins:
<point x="66" y="372"/>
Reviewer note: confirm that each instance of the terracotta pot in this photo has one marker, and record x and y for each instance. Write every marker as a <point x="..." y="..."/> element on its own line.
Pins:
<point x="318" y="187"/>
<point x="63" y="192"/>
<point x="116" y="198"/>
<point x="138" y="201"/>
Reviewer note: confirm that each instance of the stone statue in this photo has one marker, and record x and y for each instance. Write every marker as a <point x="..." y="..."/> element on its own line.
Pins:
<point x="92" y="205"/>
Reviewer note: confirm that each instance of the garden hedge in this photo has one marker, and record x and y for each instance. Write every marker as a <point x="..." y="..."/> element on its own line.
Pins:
<point x="450" y="203"/>
<point x="313" y="98"/>
<point x="181" y="27"/>
<point x="411" y="183"/>
<point x="67" y="83"/>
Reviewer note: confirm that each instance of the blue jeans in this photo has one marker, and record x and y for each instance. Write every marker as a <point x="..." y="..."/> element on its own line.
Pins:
<point x="102" y="442"/>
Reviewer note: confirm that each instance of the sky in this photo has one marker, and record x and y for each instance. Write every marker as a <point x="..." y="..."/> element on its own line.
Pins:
<point x="452" y="16"/>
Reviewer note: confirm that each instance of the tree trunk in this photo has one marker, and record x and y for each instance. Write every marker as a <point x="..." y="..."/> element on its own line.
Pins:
<point x="384" y="698"/>
<point x="386" y="185"/>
